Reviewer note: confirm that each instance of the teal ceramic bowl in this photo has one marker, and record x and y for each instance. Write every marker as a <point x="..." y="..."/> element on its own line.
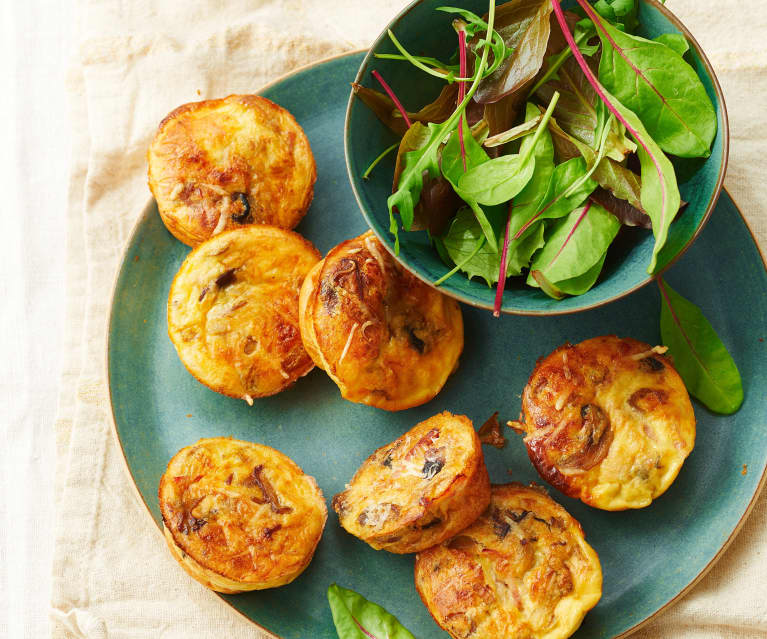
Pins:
<point x="423" y="30"/>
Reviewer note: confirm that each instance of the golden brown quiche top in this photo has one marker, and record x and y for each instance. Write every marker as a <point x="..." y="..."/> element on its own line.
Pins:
<point x="386" y="338"/>
<point x="233" y="310"/>
<point x="523" y="570"/>
<point x="608" y="421"/>
<point x="218" y="164"/>
<point x="241" y="510"/>
<point x="418" y="490"/>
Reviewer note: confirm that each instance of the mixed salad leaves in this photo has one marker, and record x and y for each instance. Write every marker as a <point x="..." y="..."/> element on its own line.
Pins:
<point x="552" y="130"/>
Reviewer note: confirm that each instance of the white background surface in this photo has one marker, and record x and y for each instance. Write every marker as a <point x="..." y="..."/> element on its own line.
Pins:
<point x="35" y="44"/>
<point x="37" y="40"/>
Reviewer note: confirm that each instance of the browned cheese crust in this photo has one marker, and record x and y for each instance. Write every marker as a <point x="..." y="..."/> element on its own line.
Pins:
<point x="386" y="338"/>
<point x="219" y="164"/>
<point x="523" y="570"/>
<point x="233" y="311"/>
<point x="419" y="490"/>
<point x="240" y="516"/>
<point x="608" y="421"/>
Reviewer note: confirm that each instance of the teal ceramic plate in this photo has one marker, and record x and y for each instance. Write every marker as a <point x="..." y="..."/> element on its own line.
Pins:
<point x="649" y="556"/>
<point x="422" y="29"/>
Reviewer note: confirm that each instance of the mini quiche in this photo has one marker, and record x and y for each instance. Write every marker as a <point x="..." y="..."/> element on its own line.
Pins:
<point x="523" y="570"/>
<point x="219" y="164"/>
<point x="608" y="421"/>
<point x="240" y="516"/>
<point x="233" y="311"/>
<point x="419" y="490"/>
<point x="384" y="337"/>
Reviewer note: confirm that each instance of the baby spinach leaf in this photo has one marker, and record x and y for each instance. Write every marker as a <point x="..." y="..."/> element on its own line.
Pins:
<point x="500" y="179"/>
<point x="675" y="41"/>
<point x="452" y="166"/>
<point x="576" y="244"/>
<point x="461" y="244"/>
<point x="654" y="82"/>
<point x="574" y="286"/>
<point x="700" y="357"/>
<point x="357" y="618"/>
<point x="660" y="193"/>
<point x="560" y="198"/>
<point x="524" y="27"/>
<point x="532" y="198"/>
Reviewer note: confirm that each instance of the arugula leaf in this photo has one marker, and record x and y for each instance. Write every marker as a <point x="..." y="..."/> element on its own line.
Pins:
<point x="425" y="159"/>
<point x="500" y="179"/>
<point x="524" y="27"/>
<point x="664" y="91"/>
<point x="357" y="618"/>
<point x="675" y="41"/>
<point x="577" y="244"/>
<point x="660" y="193"/>
<point x="700" y="357"/>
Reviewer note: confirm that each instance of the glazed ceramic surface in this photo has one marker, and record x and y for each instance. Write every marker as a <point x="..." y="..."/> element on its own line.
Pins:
<point x="423" y="30"/>
<point x="648" y="556"/>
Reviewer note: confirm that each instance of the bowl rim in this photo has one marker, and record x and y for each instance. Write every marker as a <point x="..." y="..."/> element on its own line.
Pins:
<point x="725" y="129"/>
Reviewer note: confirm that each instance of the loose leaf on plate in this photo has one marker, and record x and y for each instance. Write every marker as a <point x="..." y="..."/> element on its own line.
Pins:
<point x="357" y="618"/>
<point x="675" y="41"/>
<point x="575" y="246"/>
<point x="500" y="179"/>
<point x="524" y="27"/>
<point x="660" y="193"/>
<point x="706" y="367"/>
<point x="653" y="81"/>
<point x="385" y="110"/>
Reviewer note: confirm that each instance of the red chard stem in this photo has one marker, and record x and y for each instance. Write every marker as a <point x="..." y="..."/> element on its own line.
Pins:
<point x="393" y="97"/>
<point x="502" y="273"/>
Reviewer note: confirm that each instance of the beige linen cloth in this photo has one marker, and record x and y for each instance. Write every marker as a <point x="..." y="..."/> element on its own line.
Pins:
<point x="112" y="575"/>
